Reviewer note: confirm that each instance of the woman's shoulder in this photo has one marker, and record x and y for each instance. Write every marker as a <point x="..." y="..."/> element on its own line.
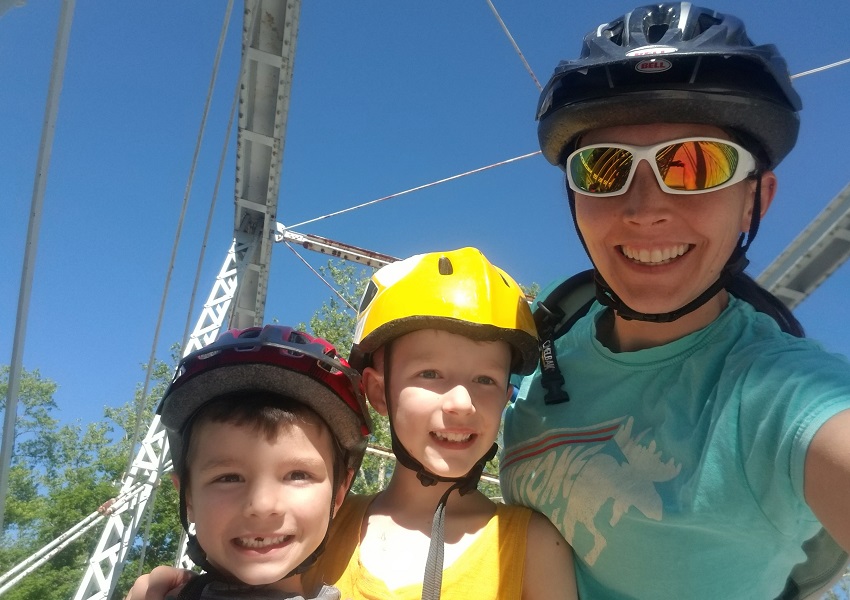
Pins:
<point x="761" y="338"/>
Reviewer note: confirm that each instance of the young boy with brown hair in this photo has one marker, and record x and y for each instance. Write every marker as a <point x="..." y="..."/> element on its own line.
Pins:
<point x="266" y="428"/>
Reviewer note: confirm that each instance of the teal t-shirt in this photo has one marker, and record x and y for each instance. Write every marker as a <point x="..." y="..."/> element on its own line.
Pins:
<point x="677" y="471"/>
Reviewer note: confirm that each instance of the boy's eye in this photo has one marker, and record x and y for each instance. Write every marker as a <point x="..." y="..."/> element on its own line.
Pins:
<point x="299" y="476"/>
<point x="227" y="478"/>
<point x="428" y="374"/>
<point x="485" y="379"/>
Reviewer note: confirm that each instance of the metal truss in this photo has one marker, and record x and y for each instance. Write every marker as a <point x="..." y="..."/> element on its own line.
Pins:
<point x="813" y="256"/>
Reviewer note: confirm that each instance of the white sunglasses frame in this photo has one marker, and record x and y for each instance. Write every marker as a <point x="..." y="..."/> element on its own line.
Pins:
<point x="746" y="166"/>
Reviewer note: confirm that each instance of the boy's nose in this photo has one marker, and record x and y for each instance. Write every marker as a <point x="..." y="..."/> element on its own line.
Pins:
<point x="264" y="498"/>
<point x="458" y="400"/>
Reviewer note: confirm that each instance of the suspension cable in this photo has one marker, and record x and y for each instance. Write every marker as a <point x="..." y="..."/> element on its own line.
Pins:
<point x="152" y="359"/>
<point x="225" y="146"/>
<point x="516" y="47"/>
<point x="823" y="68"/>
<point x="319" y="275"/>
<point x="415" y="189"/>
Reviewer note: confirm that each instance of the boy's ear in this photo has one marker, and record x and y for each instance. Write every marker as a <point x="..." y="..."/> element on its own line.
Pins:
<point x="373" y="382"/>
<point x="176" y="481"/>
<point x="510" y="393"/>
<point x="343" y="490"/>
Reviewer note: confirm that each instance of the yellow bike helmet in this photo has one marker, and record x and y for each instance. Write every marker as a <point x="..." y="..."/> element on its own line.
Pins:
<point x="461" y="292"/>
<point x="458" y="291"/>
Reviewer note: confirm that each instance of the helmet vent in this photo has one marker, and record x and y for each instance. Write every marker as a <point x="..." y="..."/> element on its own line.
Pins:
<point x="654" y="33"/>
<point x="615" y="33"/>
<point x="445" y="266"/>
<point x="706" y="22"/>
<point x="368" y="296"/>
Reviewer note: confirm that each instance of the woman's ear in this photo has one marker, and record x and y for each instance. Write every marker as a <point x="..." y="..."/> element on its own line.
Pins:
<point x="768" y="192"/>
<point x="373" y="382"/>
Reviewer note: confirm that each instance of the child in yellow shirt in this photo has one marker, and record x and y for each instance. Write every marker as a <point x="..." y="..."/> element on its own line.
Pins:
<point x="438" y="337"/>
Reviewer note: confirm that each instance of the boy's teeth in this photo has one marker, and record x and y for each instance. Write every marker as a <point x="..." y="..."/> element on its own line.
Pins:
<point x="453" y="437"/>
<point x="260" y="542"/>
<point x="656" y="255"/>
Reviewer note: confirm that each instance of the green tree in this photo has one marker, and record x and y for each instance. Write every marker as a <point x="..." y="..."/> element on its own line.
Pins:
<point x="60" y="474"/>
<point x="335" y="321"/>
<point x="336" y="318"/>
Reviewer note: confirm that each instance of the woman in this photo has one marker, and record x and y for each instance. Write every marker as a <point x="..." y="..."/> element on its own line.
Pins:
<point x="694" y="445"/>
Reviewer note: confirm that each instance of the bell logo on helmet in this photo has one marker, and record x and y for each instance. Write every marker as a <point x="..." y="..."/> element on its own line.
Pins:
<point x="651" y="51"/>
<point x="653" y="65"/>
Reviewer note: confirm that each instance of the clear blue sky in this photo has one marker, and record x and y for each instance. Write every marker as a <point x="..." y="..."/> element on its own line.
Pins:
<point x="386" y="96"/>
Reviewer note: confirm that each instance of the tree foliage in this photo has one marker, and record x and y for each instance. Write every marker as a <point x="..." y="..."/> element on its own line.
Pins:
<point x="59" y="475"/>
<point x="335" y="321"/>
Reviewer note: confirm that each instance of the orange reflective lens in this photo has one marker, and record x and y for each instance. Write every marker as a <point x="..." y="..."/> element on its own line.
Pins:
<point x="684" y="166"/>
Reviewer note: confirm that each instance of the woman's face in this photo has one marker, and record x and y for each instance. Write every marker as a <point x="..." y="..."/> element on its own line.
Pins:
<point x="659" y="251"/>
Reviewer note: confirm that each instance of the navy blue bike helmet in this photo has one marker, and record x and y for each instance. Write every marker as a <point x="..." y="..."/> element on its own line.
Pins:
<point x="672" y="63"/>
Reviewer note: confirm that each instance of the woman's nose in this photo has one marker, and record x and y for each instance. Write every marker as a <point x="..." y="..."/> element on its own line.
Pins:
<point x="646" y="202"/>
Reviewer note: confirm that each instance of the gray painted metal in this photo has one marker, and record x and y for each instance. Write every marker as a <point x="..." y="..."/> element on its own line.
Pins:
<point x="268" y="44"/>
<point x="813" y="256"/>
<point x="48" y="129"/>
<point x="268" y="47"/>
<point x="333" y="248"/>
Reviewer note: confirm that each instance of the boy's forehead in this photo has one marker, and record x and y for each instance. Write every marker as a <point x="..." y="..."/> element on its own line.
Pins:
<point x="307" y="425"/>
<point x="427" y="340"/>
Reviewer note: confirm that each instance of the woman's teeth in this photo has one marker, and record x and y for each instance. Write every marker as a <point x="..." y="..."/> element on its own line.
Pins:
<point x="655" y="256"/>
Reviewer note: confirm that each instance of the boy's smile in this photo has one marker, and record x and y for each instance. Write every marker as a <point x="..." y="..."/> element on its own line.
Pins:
<point x="260" y="506"/>
<point x="447" y="395"/>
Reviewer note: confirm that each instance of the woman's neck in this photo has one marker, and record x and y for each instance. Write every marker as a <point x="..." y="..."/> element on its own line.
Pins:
<point x="623" y="335"/>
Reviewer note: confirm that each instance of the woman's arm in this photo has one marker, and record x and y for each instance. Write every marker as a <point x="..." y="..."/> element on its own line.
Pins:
<point x="159" y="582"/>
<point x="827" y="477"/>
<point x="549" y="572"/>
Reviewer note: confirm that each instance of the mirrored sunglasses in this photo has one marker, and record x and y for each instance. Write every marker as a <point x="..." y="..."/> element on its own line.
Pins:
<point x="694" y="165"/>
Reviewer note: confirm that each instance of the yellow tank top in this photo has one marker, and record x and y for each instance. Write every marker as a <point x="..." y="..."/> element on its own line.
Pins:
<point x="492" y="568"/>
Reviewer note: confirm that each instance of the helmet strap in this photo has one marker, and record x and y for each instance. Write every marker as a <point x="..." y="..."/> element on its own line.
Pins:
<point x="197" y="554"/>
<point x="467" y="482"/>
<point x="734" y="266"/>
<point x="432" y="580"/>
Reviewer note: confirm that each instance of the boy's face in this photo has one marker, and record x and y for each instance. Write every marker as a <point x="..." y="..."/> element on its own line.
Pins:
<point x="447" y="397"/>
<point x="261" y="507"/>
